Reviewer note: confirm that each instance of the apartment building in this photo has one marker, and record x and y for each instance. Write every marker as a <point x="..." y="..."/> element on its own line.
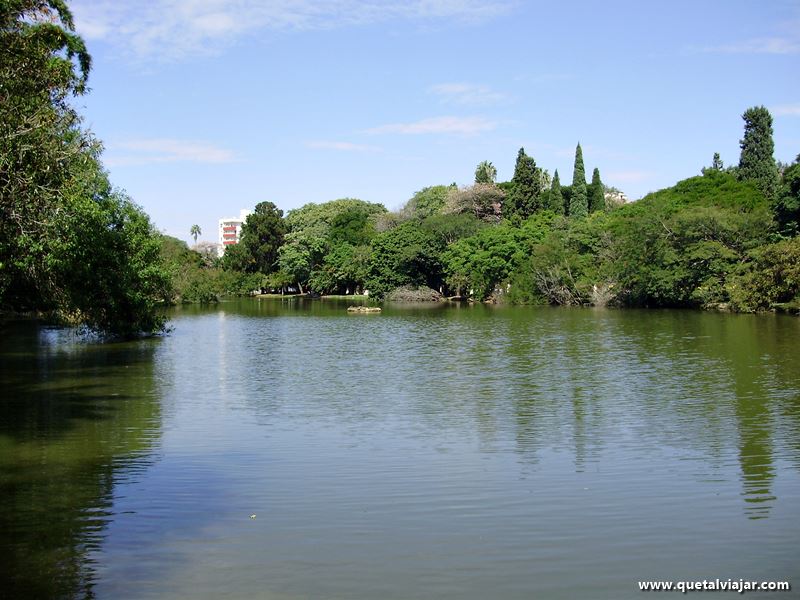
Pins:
<point x="230" y="228"/>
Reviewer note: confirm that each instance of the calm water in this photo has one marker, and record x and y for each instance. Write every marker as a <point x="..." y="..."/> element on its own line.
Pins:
<point x="466" y="452"/>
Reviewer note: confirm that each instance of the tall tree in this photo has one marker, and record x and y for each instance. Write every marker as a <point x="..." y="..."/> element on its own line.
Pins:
<point x="526" y="188"/>
<point x="716" y="163"/>
<point x="556" y="198"/>
<point x="69" y="243"/>
<point x="756" y="162"/>
<point x="195" y="231"/>
<point x="485" y="172"/>
<point x="787" y="207"/>
<point x="578" y="205"/>
<point x="262" y="235"/>
<point x="597" y="196"/>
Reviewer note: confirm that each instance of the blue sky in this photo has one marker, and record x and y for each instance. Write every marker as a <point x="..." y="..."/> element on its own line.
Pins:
<point x="209" y="106"/>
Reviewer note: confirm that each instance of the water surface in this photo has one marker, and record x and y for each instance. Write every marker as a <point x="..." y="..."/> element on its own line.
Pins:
<point x="463" y="452"/>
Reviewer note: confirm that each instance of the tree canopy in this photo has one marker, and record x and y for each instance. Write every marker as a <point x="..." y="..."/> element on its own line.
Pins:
<point x="70" y="244"/>
<point x="757" y="161"/>
<point x="578" y="204"/>
<point x="527" y="186"/>
<point x="596" y="193"/>
<point x="485" y="172"/>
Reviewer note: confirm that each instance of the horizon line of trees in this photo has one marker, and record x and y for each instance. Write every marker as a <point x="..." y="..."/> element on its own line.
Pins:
<point x="75" y="247"/>
<point x="531" y="239"/>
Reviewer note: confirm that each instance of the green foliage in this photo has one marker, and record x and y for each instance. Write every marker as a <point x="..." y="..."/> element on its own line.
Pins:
<point x="568" y="263"/>
<point x="485" y="172"/>
<point x="351" y="226"/>
<point x="528" y="185"/>
<point x="195" y="231"/>
<point x="787" y="205"/>
<point x="105" y="258"/>
<point x="478" y="264"/>
<point x="407" y="255"/>
<point x="555" y="199"/>
<point x="311" y="254"/>
<point x="714" y="188"/>
<point x="279" y="280"/>
<point x="716" y="162"/>
<point x="238" y="257"/>
<point x="343" y="270"/>
<point x="756" y="162"/>
<point x="484" y="201"/>
<point x="677" y="247"/>
<point x="452" y="227"/>
<point x="578" y="202"/>
<point x="194" y="280"/>
<point x="427" y="202"/>
<point x="771" y="280"/>
<point x="597" y="197"/>
<point x="262" y="235"/>
<point x="69" y="243"/>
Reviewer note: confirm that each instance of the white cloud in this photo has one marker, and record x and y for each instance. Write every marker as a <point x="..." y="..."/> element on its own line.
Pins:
<point x="341" y="146"/>
<point x="446" y="125"/>
<point x="467" y="94"/>
<point x="173" y="29"/>
<point x="145" y="151"/>
<point x="786" y="110"/>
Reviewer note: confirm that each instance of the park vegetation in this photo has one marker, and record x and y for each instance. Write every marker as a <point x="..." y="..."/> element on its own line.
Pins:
<point x="75" y="248"/>
<point x="724" y="239"/>
<point x="71" y="245"/>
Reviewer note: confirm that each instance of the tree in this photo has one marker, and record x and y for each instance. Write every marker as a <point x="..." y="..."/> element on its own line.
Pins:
<point x="405" y="255"/>
<point x="578" y="205"/>
<point x="597" y="196"/>
<point x="426" y="202"/>
<point x="262" y="235"/>
<point x="555" y="201"/>
<point x="352" y="226"/>
<point x="315" y="229"/>
<point x="716" y="163"/>
<point x="452" y="227"/>
<point x="756" y="161"/>
<point x="70" y="245"/>
<point x="195" y="231"/>
<point x="482" y="261"/>
<point x="527" y="187"/>
<point x="484" y="200"/>
<point x="209" y="252"/>
<point x="787" y="206"/>
<point x="485" y="172"/>
<point x="39" y="144"/>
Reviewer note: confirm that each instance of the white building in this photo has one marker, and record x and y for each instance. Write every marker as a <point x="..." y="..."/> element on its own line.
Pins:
<point x="230" y="228"/>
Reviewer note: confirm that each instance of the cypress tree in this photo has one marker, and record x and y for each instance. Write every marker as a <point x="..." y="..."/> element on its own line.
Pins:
<point x="556" y="199"/>
<point x="578" y="205"/>
<point x="756" y="162"/>
<point x="525" y="197"/>
<point x="597" y="197"/>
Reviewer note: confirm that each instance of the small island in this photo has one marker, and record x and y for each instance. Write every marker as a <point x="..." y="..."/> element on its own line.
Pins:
<point x="363" y="310"/>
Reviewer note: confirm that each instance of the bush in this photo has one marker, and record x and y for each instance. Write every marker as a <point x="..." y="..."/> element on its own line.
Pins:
<point x="770" y="280"/>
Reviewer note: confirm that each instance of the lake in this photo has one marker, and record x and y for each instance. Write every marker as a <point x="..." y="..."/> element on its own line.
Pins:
<point x="285" y="449"/>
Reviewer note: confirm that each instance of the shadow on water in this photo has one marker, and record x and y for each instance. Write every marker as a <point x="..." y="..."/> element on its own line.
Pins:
<point x="730" y="380"/>
<point x="75" y="416"/>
